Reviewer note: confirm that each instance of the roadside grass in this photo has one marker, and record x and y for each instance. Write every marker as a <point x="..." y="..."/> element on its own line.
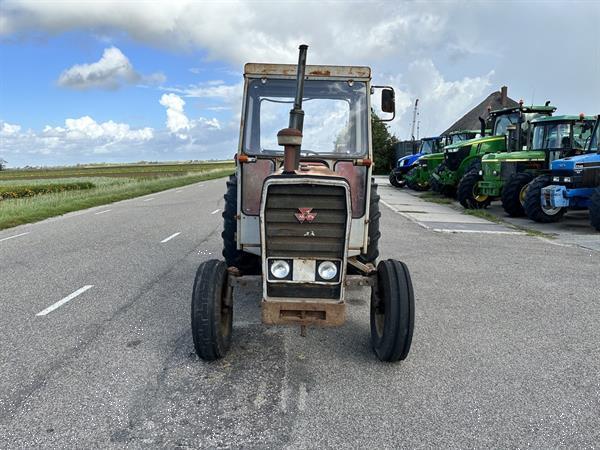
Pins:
<point x="436" y="198"/>
<point x="19" y="211"/>
<point x="493" y="218"/>
<point x="146" y="170"/>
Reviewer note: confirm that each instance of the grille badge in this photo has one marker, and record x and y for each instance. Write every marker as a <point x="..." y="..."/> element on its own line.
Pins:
<point x="305" y="215"/>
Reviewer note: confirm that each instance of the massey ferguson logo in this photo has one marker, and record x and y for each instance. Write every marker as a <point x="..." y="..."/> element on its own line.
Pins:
<point x="305" y="215"/>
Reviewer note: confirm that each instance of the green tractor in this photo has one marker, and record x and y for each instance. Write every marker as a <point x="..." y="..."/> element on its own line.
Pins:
<point x="418" y="177"/>
<point x="462" y="161"/>
<point x="506" y="175"/>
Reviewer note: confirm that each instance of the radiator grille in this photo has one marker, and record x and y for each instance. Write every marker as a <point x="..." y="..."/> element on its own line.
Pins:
<point x="453" y="160"/>
<point x="591" y="175"/>
<point x="323" y="238"/>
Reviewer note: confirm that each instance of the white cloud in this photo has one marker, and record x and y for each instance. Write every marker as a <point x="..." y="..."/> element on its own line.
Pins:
<point x="177" y="121"/>
<point x="111" y="72"/>
<point x="87" y="129"/>
<point x="7" y="129"/>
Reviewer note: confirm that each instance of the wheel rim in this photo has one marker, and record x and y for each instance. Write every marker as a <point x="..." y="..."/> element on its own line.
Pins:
<point x="522" y="193"/>
<point x="225" y="313"/>
<point x="379" y="316"/>
<point x="551" y="211"/>
<point x="479" y="198"/>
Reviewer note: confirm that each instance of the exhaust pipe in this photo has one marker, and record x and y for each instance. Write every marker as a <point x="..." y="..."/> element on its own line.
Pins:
<point x="291" y="138"/>
<point x="482" y="130"/>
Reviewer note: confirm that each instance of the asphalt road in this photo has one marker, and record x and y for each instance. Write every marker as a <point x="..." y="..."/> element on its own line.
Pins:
<point x="506" y="350"/>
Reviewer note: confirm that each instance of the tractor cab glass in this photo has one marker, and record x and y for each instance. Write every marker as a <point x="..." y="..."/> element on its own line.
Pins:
<point x="595" y="142"/>
<point x="428" y="146"/>
<point x="561" y="136"/>
<point x="335" y="117"/>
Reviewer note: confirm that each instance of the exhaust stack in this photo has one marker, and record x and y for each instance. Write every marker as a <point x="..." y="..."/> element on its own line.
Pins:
<point x="291" y="138"/>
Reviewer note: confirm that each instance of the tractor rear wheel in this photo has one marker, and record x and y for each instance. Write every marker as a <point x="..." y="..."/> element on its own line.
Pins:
<point x="533" y="202"/>
<point x="595" y="209"/>
<point x="247" y="263"/>
<point x="392" y="311"/>
<point x="212" y="311"/>
<point x="394" y="181"/>
<point x="513" y="194"/>
<point x="468" y="193"/>
<point x="374" y="234"/>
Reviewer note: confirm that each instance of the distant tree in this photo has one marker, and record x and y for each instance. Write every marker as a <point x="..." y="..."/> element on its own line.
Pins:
<point x="3" y="164"/>
<point x="383" y="146"/>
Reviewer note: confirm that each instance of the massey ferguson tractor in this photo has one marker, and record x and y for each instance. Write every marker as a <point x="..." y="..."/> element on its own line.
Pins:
<point x="301" y="216"/>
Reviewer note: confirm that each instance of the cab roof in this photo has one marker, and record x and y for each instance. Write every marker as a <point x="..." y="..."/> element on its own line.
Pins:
<point x="565" y="118"/>
<point x="290" y="70"/>
<point x="525" y="109"/>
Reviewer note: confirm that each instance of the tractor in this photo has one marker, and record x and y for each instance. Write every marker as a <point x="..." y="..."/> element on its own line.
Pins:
<point x="462" y="161"/>
<point x="301" y="215"/>
<point x="429" y="145"/>
<point x="572" y="183"/>
<point x="506" y="175"/>
<point x="419" y="175"/>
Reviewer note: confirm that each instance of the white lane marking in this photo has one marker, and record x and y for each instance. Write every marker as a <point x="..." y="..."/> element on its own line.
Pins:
<point x="15" y="236"/>
<point x="102" y="212"/>
<point x="170" y="237"/>
<point x="149" y="199"/>
<point x="68" y="298"/>
<point x="302" y="394"/>
<point x="215" y="211"/>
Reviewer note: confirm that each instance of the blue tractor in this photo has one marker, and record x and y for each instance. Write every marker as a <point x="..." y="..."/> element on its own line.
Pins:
<point x="403" y="165"/>
<point x="573" y="183"/>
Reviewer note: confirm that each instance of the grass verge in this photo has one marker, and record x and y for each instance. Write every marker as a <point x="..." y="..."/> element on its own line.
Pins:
<point x="15" y="212"/>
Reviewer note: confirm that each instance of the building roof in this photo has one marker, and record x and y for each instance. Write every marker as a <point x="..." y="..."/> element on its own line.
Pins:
<point x="494" y="101"/>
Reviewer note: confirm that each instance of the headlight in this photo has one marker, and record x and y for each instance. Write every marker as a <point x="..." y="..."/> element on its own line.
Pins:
<point x="495" y="173"/>
<point x="556" y="179"/>
<point x="567" y="179"/>
<point x="327" y="270"/>
<point x="481" y="173"/>
<point x="280" y="269"/>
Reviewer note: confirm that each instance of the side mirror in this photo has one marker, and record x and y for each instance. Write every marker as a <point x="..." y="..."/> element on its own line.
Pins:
<point x="388" y="103"/>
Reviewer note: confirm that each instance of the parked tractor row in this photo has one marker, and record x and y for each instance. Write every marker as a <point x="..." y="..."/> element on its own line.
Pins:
<point x="537" y="164"/>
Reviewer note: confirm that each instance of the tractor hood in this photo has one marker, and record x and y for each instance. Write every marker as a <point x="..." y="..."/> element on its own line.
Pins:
<point x="455" y="147"/>
<point x="408" y="160"/>
<point x="514" y="156"/>
<point x="571" y="162"/>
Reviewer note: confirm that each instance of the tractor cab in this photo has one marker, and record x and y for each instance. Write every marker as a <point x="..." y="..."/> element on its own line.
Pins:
<point x="428" y="146"/>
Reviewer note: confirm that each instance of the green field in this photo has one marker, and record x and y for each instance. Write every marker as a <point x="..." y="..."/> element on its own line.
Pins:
<point x="29" y="195"/>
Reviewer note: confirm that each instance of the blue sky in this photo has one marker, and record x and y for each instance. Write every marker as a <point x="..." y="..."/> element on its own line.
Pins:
<point x="125" y="81"/>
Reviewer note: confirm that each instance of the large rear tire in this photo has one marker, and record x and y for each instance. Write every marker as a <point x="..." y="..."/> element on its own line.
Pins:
<point x="595" y="209"/>
<point x="212" y="311"/>
<point x="513" y="194"/>
<point x="247" y="263"/>
<point x="372" y="252"/>
<point x="533" y="203"/>
<point x="392" y="311"/>
<point x="468" y="194"/>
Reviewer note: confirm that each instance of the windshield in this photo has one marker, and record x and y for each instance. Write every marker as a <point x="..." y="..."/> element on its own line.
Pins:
<point x="335" y="116"/>
<point x="558" y="135"/>
<point x="461" y="137"/>
<point x="502" y="123"/>
<point x="427" y="146"/>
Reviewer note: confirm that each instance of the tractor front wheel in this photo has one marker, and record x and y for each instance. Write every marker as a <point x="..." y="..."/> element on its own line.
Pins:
<point x="412" y="181"/>
<point x="533" y="202"/>
<point x="513" y="194"/>
<point x="468" y="192"/>
<point x="392" y="311"/>
<point x="394" y="181"/>
<point x="212" y="311"/>
<point x="595" y="209"/>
